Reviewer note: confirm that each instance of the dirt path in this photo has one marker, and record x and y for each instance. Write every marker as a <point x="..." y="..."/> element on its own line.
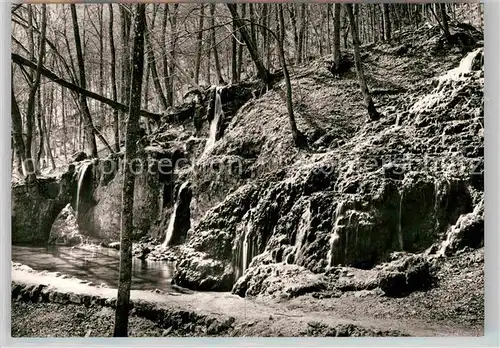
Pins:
<point x="268" y="317"/>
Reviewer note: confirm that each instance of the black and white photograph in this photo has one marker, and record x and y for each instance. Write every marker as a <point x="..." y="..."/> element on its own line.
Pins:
<point x="247" y="169"/>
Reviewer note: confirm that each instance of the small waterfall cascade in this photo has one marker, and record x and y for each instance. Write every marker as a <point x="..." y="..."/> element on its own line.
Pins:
<point x="466" y="66"/>
<point x="215" y="123"/>
<point x="339" y="213"/>
<point x="247" y="249"/>
<point x="81" y="175"/>
<point x="400" y="232"/>
<point x="171" y="223"/>
<point x="304" y="224"/>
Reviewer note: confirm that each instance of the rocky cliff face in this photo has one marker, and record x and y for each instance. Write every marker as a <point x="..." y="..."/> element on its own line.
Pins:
<point x="409" y="182"/>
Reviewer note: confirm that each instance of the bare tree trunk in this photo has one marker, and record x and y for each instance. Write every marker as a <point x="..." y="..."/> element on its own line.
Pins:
<point x="293" y="20"/>
<point x="240" y="47"/>
<point x="153" y="69"/>
<point x="132" y="136"/>
<point x="114" y="91"/>
<point x="252" y="22"/>
<point x="252" y="49"/>
<point x="17" y="127"/>
<point x="41" y="131"/>
<point x="218" y="74"/>
<point x="372" y="112"/>
<point x="298" y="137"/>
<point x="265" y="35"/>
<point x="47" y="129"/>
<point x="30" y="114"/>
<point x="89" y="127"/>
<point x="234" y="55"/>
<point x="300" y="52"/>
<point x="199" y="43"/>
<point x="444" y="19"/>
<point x="164" y="54"/>
<point x="336" y="35"/>
<point x="65" y="136"/>
<point x="126" y="22"/>
<point x="100" y="14"/>
<point x="173" y="46"/>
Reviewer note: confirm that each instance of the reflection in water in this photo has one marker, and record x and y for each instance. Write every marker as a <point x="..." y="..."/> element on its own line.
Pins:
<point x="99" y="265"/>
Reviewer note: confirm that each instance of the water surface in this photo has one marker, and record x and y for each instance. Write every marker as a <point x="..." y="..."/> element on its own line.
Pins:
<point x="100" y="265"/>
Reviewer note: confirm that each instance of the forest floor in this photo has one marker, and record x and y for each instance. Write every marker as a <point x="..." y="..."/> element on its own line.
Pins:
<point x="454" y="308"/>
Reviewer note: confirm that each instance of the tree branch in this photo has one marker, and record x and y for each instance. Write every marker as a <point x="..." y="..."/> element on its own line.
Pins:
<point x="50" y="75"/>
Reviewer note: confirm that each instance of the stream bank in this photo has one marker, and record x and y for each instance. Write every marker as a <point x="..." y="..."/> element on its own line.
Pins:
<point x="455" y="308"/>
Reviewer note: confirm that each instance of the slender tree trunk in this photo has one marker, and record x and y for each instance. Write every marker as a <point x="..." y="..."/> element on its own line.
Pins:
<point x="372" y="112"/>
<point x="48" y="150"/>
<point x="17" y="127"/>
<point x="336" y="35"/>
<point x="300" y="53"/>
<point x="173" y="49"/>
<point x="298" y="137"/>
<point x="328" y="29"/>
<point x="41" y="131"/>
<point x="125" y="25"/>
<point x="234" y="55"/>
<point x="240" y="47"/>
<point x="218" y="74"/>
<point x="252" y="49"/>
<point x="132" y="136"/>
<point x="444" y="19"/>
<point x="199" y="43"/>
<point x="89" y="127"/>
<point x="63" y="116"/>
<point x="114" y="91"/>
<point x="293" y="20"/>
<point x="101" y="59"/>
<point x="265" y="34"/>
<point x="253" y="34"/>
<point x="30" y="114"/>
<point x="153" y="69"/>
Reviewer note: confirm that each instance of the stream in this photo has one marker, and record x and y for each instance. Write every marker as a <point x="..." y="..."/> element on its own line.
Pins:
<point x="99" y="265"/>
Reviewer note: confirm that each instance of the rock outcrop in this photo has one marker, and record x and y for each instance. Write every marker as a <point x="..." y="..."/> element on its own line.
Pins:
<point x="398" y="184"/>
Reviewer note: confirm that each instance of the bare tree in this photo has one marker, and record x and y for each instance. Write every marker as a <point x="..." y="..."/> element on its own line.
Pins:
<point x="372" y="111"/>
<point x="132" y="136"/>
<point x="199" y="43"/>
<point x="220" y="80"/>
<point x="251" y="46"/>
<point x="336" y="35"/>
<point x="114" y="91"/>
<point x="89" y="127"/>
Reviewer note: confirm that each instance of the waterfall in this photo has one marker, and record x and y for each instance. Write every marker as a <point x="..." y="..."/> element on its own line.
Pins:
<point x="244" y="258"/>
<point x="465" y="66"/>
<point x="171" y="223"/>
<point x="214" y="124"/>
<point x="81" y="176"/>
<point x="304" y="225"/>
<point x="335" y="235"/>
<point x="400" y="232"/>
